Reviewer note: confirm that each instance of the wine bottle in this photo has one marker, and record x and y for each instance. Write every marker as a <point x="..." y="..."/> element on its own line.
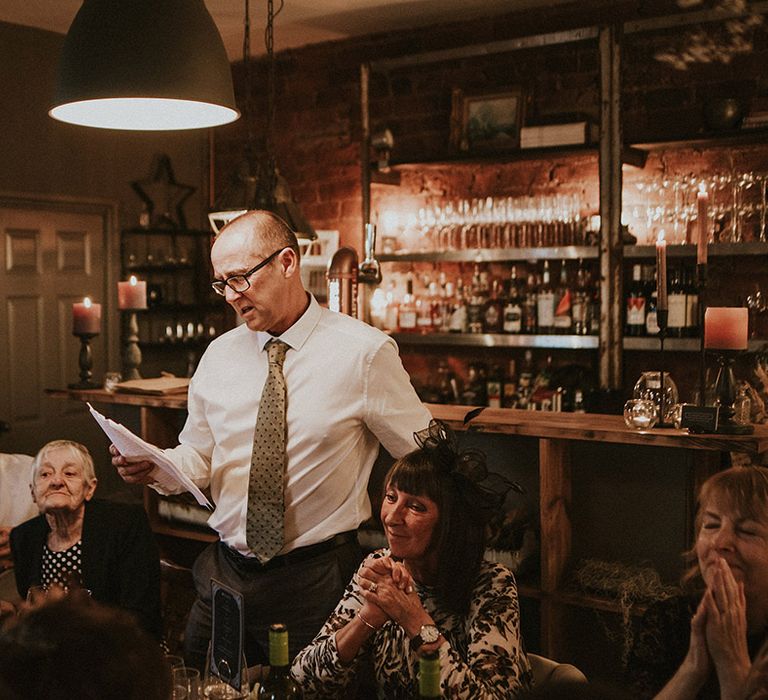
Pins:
<point x="563" y="319"/>
<point x="429" y="675"/>
<point x="545" y="307"/>
<point x="278" y="684"/>
<point x="513" y="310"/>
<point x="677" y="305"/>
<point x="406" y="315"/>
<point x="636" y="304"/>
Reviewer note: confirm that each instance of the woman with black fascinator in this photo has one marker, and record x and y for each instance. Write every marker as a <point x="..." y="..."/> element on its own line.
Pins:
<point x="430" y="589"/>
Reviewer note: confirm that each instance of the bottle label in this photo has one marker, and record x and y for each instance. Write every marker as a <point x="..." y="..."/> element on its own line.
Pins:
<point x="677" y="308"/>
<point x="651" y="323"/>
<point x="492" y="317"/>
<point x="546" y="309"/>
<point x="458" y="323"/>
<point x="513" y="318"/>
<point x="407" y="319"/>
<point x="636" y="311"/>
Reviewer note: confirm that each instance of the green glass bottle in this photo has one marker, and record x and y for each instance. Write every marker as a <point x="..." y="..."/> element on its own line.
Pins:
<point x="429" y="675"/>
<point x="279" y="685"/>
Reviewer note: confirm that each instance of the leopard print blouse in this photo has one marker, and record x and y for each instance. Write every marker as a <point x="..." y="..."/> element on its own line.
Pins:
<point x="482" y="657"/>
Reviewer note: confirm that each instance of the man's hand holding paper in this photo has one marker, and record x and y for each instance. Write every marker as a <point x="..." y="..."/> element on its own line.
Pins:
<point x="139" y="462"/>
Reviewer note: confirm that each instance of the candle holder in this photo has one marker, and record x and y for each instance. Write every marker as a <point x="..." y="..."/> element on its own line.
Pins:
<point x="725" y="393"/>
<point x="85" y="360"/>
<point x="662" y="317"/>
<point x="131" y="349"/>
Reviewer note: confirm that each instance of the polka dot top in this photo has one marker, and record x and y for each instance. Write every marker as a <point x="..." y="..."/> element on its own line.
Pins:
<point x="62" y="567"/>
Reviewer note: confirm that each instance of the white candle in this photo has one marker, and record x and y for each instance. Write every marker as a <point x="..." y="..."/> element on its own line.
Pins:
<point x="725" y="328"/>
<point x="661" y="273"/>
<point x="702" y="201"/>
<point x="132" y="294"/>
<point x="86" y="317"/>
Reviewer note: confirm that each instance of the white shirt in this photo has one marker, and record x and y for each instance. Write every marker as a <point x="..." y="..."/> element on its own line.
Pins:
<point x="347" y="391"/>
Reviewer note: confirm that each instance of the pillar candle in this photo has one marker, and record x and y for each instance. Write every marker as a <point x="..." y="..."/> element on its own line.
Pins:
<point x="86" y="317"/>
<point x="725" y="328"/>
<point x="661" y="273"/>
<point x="702" y="201"/>
<point x="132" y="294"/>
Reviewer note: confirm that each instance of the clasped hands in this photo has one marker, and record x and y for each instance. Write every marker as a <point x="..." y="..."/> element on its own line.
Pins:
<point x="389" y="594"/>
<point x="719" y="631"/>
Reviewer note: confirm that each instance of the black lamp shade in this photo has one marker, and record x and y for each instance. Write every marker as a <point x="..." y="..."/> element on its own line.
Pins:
<point x="144" y="65"/>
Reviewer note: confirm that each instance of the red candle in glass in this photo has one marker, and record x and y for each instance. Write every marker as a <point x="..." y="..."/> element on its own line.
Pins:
<point x="725" y="328"/>
<point x="86" y="317"/>
<point x="132" y="294"/>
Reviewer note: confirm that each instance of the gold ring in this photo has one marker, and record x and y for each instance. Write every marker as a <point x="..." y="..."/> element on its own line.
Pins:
<point x="373" y="587"/>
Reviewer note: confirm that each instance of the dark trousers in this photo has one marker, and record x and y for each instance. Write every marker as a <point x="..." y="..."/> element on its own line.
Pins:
<point x="301" y="595"/>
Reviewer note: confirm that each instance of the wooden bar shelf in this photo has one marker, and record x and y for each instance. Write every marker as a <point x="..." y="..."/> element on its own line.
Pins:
<point x="556" y="433"/>
<point x="499" y="340"/>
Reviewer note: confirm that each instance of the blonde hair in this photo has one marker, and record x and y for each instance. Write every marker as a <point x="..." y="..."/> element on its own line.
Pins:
<point x="79" y="452"/>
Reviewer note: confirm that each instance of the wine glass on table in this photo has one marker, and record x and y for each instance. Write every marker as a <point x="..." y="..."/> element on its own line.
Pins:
<point x="222" y="681"/>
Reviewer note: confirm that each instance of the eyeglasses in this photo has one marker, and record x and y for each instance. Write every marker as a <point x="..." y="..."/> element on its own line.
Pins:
<point x="240" y="283"/>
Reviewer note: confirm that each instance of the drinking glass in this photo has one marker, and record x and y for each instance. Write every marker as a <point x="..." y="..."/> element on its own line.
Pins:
<point x="641" y="414"/>
<point x="227" y="685"/>
<point x="186" y="683"/>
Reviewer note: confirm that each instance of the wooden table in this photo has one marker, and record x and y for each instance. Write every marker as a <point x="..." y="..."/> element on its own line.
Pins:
<point x="556" y="434"/>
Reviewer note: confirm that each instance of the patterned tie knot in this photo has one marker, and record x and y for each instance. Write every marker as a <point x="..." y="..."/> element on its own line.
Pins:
<point x="276" y="350"/>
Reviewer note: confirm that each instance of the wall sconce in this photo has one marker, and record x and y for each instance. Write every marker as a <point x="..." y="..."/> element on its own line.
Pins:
<point x="382" y="143"/>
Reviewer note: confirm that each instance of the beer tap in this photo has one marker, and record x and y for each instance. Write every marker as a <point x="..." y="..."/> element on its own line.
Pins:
<point x="370" y="270"/>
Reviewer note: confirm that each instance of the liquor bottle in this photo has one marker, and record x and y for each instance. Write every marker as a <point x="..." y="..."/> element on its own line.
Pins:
<point x="447" y="297"/>
<point x="691" y="305"/>
<point x="525" y="388"/>
<point x="563" y="320"/>
<point x="544" y="376"/>
<point x="493" y="387"/>
<point x="391" y="307"/>
<point x="278" y="685"/>
<point x="593" y="313"/>
<point x="424" y="309"/>
<point x="651" y="318"/>
<point x="406" y="313"/>
<point x="636" y="304"/>
<point x="509" y="388"/>
<point x="513" y="309"/>
<point x="458" y="320"/>
<point x="578" y="402"/>
<point x="545" y="303"/>
<point x="677" y="305"/>
<point x="493" y="314"/>
<point x="475" y="304"/>
<point x="474" y="393"/>
<point x="429" y="676"/>
<point x="580" y="303"/>
<point x="530" y="303"/>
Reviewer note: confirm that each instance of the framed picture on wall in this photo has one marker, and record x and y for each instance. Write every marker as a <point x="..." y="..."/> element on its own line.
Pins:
<point x="486" y="123"/>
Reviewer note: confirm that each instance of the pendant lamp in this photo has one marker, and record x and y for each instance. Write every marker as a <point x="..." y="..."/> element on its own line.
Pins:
<point x="144" y="65"/>
<point x="257" y="183"/>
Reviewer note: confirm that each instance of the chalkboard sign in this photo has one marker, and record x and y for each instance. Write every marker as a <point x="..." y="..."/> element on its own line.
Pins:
<point x="226" y="660"/>
<point x="700" y="419"/>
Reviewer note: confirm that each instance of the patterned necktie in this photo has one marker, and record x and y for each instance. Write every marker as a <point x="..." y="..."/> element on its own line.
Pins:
<point x="266" y="506"/>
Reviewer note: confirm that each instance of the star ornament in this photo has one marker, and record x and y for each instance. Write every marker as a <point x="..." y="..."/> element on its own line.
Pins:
<point x="163" y="197"/>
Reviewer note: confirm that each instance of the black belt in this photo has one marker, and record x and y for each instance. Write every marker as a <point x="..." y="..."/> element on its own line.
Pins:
<point x="295" y="556"/>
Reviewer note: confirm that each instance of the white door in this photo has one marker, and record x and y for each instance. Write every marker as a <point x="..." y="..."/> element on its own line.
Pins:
<point x="49" y="259"/>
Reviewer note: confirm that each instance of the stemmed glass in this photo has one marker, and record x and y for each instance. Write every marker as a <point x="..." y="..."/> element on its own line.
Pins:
<point x="229" y="684"/>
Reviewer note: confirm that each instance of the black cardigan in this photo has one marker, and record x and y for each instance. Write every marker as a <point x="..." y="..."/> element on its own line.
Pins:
<point x="120" y="559"/>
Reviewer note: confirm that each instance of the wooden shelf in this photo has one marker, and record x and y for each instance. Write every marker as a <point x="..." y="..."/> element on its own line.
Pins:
<point x="570" y="252"/>
<point x="719" y="139"/>
<point x="498" y="340"/>
<point x="679" y="344"/>
<point x="689" y="251"/>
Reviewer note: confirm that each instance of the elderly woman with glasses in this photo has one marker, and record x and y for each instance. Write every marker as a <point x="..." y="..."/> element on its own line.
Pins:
<point x="78" y="541"/>
<point x="429" y="590"/>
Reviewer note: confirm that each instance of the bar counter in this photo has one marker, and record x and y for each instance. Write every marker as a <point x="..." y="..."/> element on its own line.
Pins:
<point x="556" y="435"/>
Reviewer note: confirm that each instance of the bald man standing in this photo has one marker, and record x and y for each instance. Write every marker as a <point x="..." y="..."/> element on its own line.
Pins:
<point x="286" y="415"/>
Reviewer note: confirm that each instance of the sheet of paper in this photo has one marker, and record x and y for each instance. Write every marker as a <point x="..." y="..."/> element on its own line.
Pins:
<point x="134" y="449"/>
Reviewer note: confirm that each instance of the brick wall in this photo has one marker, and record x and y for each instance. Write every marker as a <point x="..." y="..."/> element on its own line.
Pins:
<point x="318" y="107"/>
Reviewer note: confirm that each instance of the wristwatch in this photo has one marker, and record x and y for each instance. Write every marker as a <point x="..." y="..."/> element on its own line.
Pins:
<point x="427" y="634"/>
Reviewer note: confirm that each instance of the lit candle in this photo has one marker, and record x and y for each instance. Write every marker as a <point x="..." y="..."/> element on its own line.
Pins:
<point x="702" y="200"/>
<point x="132" y="294"/>
<point x="661" y="273"/>
<point x="86" y="317"/>
<point x="725" y="328"/>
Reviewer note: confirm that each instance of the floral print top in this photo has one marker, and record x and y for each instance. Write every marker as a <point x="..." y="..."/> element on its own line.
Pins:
<point x="482" y="657"/>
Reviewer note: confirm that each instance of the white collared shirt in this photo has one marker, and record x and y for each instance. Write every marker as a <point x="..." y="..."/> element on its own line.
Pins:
<point x="347" y="391"/>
